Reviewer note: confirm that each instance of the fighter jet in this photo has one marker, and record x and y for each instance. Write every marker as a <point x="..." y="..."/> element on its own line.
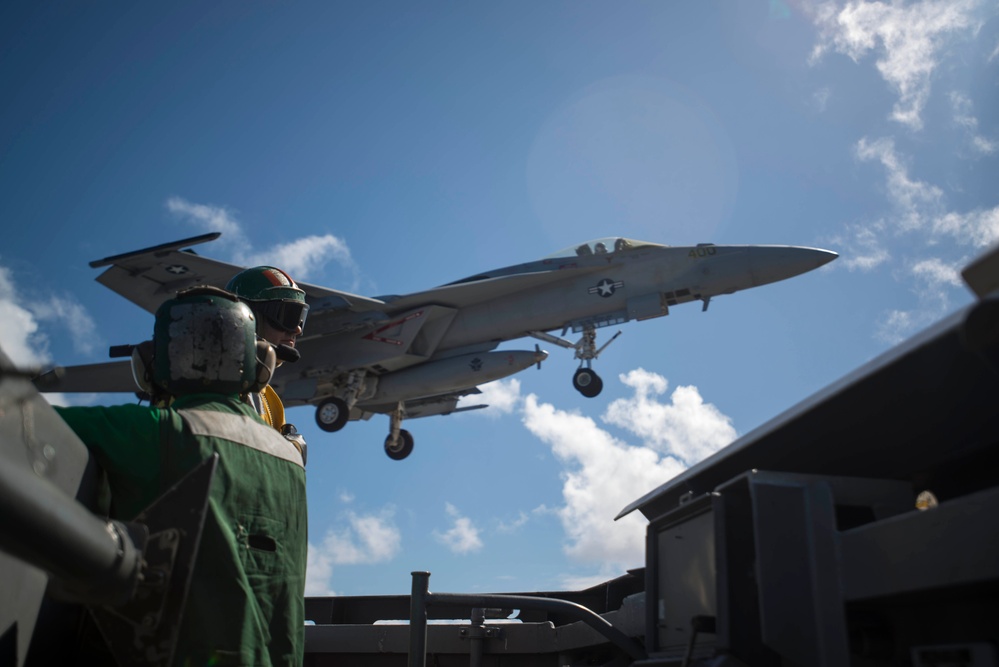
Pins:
<point x="418" y="354"/>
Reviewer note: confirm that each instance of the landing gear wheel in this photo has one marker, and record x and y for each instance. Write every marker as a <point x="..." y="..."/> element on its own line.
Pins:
<point x="397" y="451"/>
<point x="587" y="382"/>
<point x="332" y="414"/>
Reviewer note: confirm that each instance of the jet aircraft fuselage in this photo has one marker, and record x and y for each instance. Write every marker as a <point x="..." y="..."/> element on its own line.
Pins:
<point x="418" y="354"/>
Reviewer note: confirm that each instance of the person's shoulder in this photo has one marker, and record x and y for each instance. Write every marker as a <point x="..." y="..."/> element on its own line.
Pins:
<point x="129" y="417"/>
<point x="230" y="404"/>
<point x="217" y="402"/>
<point x="125" y="409"/>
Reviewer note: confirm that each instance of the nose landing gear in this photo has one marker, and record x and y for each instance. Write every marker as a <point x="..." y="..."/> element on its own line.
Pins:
<point x="587" y="382"/>
<point x="400" y="447"/>
<point x="584" y="380"/>
<point x="399" y="443"/>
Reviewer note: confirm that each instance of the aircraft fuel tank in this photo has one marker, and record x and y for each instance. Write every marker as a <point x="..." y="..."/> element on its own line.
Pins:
<point x="453" y="374"/>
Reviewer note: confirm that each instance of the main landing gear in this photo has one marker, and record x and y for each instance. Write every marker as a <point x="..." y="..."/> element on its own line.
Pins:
<point x="585" y="380"/>
<point x="332" y="415"/>
<point x="399" y="443"/>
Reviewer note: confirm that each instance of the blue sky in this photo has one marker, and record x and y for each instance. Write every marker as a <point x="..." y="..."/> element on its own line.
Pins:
<point x="389" y="147"/>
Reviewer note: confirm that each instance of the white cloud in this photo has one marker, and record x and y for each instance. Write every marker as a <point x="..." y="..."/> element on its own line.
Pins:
<point x="516" y="524"/>
<point x="911" y="36"/>
<point x="210" y="218"/>
<point x="580" y="582"/>
<point x="364" y="538"/>
<point x="25" y="324"/>
<point x="913" y="199"/>
<point x="983" y="145"/>
<point x="19" y="332"/>
<point x="979" y="228"/>
<point x="523" y="518"/>
<point x="912" y="42"/>
<point x="463" y="536"/>
<point x="936" y="272"/>
<point x="964" y="117"/>
<point x="601" y="474"/>
<point x="932" y="279"/>
<point x="920" y="212"/>
<point x="357" y="538"/>
<point x="318" y="573"/>
<point x="502" y="397"/>
<point x="862" y="248"/>
<point x="820" y="99"/>
<point x="686" y="427"/>
<point x="71" y="315"/>
<point x="895" y="326"/>
<point x="301" y="258"/>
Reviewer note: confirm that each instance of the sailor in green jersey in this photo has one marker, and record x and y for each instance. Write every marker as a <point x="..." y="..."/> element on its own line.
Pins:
<point x="246" y="601"/>
<point x="280" y="307"/>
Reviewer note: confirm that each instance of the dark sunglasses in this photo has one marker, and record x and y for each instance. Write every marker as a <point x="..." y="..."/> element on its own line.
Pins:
<point x="284" y="315"/>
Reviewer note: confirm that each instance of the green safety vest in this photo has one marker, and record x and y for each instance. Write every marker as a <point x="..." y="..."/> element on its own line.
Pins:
<point x="246" y="601"/>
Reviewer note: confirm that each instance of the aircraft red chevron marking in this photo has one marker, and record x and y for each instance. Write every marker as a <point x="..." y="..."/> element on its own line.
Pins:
<point x="391" y="341"/>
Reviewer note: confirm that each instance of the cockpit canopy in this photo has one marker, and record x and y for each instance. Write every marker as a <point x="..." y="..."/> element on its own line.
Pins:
<point x="600" y="247"/>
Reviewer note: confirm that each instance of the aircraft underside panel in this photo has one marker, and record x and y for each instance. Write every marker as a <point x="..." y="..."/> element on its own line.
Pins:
<point x="400" y="340"/>
<point x="647" y="306"/>
<point x="598" y="321"/>
<point x="454" y="374"/>
<point x="425" y="407"/>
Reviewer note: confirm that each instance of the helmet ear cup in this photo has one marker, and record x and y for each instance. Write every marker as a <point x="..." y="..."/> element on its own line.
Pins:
<point x="266" y="362"/>
<point x="142" y="366"/>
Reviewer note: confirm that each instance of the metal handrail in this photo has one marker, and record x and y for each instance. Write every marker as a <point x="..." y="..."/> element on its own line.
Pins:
<point x="422" y="598"/>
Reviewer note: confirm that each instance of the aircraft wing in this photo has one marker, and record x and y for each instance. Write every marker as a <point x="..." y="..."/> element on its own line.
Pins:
<point x="150" y="276"/>
<point x="458" y="295"/>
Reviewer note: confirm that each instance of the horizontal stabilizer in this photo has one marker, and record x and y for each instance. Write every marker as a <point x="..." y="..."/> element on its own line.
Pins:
<point x="155" y="250"/>
<point x="109" y="376"/>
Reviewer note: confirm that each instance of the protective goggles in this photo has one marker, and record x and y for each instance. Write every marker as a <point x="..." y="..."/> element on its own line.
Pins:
<point x="284" y="315"/>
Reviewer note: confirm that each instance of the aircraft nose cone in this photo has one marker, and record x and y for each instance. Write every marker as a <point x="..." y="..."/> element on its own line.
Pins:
<point x="773" y="263"/>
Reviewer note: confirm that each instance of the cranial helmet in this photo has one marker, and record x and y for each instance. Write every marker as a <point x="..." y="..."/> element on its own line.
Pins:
<point x="273" y="295"/>
<point x="204" y="340"/>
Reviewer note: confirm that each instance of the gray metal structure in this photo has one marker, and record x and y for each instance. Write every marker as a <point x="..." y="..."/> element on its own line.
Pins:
<point x="62" y="563"/>
<point x="417" y="354"/>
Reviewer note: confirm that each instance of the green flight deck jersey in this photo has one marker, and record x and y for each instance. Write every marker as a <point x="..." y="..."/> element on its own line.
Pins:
<point x="246" y="603"/>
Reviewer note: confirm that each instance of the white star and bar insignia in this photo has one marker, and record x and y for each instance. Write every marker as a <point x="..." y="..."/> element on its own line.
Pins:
<point x="606" y="287"/>
<point x="176" y="269"/>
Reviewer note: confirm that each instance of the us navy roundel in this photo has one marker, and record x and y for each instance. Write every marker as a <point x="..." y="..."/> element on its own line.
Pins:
<point x="606" y="287"/>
